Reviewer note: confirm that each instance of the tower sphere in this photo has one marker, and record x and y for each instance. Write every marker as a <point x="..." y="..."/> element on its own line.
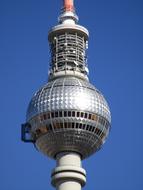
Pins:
<point x="69" y="114"/>
<point x="67" y="119"/>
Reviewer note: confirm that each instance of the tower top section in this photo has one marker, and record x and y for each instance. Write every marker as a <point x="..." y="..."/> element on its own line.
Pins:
<point x="68" y="14"/>
<point x="68" y="44"/>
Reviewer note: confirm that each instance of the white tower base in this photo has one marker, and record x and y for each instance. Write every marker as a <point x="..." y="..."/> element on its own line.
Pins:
<point x="68" y="175"/>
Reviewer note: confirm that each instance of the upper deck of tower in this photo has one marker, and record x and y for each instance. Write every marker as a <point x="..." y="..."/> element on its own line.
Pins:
<point x="68" y="45"/>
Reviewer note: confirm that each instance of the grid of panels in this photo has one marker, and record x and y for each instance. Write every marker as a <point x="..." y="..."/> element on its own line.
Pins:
<point x="68" y="93"/>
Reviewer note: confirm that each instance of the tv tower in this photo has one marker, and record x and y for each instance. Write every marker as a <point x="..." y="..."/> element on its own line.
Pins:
<point x="68" y="119"/>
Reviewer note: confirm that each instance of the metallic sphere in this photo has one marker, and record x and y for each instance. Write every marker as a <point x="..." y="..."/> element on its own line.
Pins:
<point x="69" y="114"/>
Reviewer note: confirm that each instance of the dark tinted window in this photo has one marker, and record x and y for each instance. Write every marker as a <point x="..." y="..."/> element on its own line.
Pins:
<point x="65" y="114"/>
<point x="76" y="125"/>
<point x="78" y="114"/>
<point x="60" y="114"/>
<point x="56" y="114"/>
<point x="73" y="114"/>
<point x="69" y="113"/>
<point x="85" y="115"/>
<point x="52" y="114"/>
<point x="82" y="114"/>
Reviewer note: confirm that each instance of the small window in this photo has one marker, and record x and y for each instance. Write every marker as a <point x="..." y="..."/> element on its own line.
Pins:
<point x="73" y="114"/>
<point x="56" y="114"/>
<point x="93" y="116"/>
<point x="76" y="125"/>
<point x="90" y="128"/>
<point x="89" y="117"/>
<point x="65" y="114"/>
<point x="93" y="129"/>
<point x="87" y="127"/>
<point x="97" y="131"/>
<point x="78" y="114"/>
<point x="80" y="125"/>
<point x="52" y="114"/>
<point x="82" y="114"/>
<point x="83" y="126"/>
<point x="60" y="114"/>
<point x="85" y="115"/>
<point x="66" y="125"/>
<point x="69" y="113"/>
<point x="73" y="125"/>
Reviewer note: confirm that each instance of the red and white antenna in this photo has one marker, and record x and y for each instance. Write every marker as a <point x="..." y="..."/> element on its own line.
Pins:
<point x="68" y="12"/>
<point x="68" y="5"/>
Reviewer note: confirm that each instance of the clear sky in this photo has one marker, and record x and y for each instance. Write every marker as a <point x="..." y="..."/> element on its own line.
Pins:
<point x="115" y="59"/>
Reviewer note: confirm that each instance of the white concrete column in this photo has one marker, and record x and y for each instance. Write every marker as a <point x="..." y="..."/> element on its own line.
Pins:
<point x="69" y="185"/>
<point x="68" y="159"/>
<point x="68" y="175"/>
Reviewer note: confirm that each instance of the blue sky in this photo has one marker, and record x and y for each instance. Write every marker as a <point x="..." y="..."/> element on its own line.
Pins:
<point x="115" y="59"/>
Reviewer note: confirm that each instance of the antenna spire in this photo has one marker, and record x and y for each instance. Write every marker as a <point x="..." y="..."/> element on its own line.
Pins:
<point x="68" y="12"/>
<point x="68" y="5"/>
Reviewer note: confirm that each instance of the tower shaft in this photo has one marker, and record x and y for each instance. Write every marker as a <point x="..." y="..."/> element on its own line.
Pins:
<point x="68" y="174"/>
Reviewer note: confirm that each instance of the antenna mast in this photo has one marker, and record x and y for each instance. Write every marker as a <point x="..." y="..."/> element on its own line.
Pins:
<point x="68" y="5"/>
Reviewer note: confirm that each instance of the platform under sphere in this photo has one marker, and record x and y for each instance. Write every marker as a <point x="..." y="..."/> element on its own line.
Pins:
<point x="69" y="114"/>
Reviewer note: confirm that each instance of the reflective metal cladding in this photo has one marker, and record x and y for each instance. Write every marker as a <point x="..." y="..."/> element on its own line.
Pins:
<point x="68" y="113"/>
<point x="68" y="93"/>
